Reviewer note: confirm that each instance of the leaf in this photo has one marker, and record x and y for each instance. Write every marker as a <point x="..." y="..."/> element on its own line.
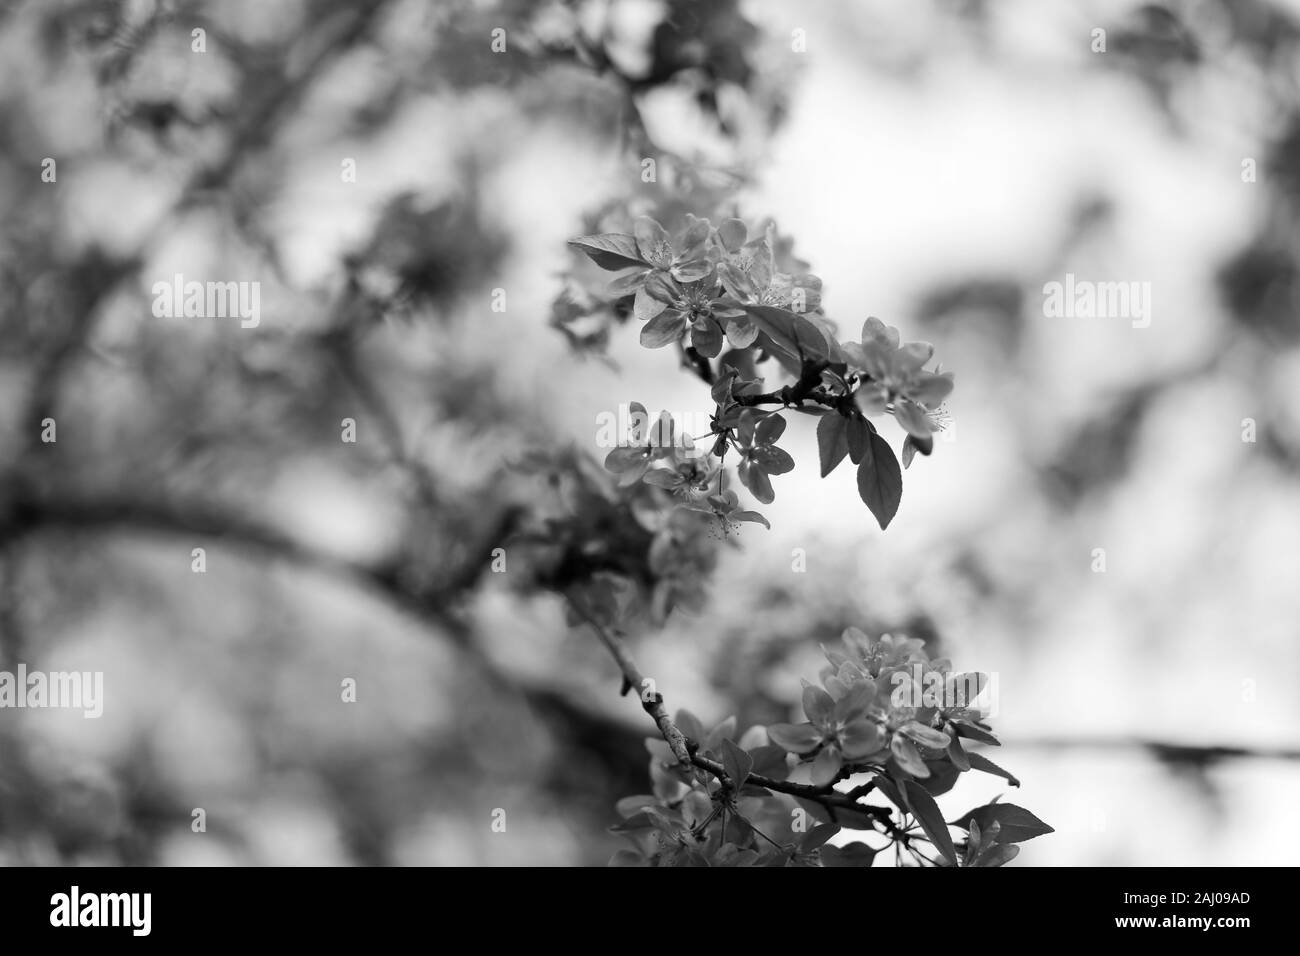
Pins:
<point x="957" y="754"/>
<point x="737" y="763"/>
<point x="611" y="251"/>
<point x="689" y="724"/>
<point x="943" y="777"/>
<point x="817" y="836"/>
<point x="791" y="334"/>
<point x="1017" y="823"/>
<point x="999" y="854"/>
<point x="843" y="816"/>
<point x="832" y="441"/>
<point x="769" y="761"/>
<point x="970" y="730"/>
<point x="627" y="284"/>
<point x="931" y="820"/>
<point x="851" y="854"/>
<point x="980" y="762"/>
<point x="857" y="434"/>
<point x="880" y="481"/>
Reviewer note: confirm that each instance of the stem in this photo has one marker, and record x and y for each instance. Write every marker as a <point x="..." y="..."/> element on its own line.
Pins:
<point x="687" y="751"/>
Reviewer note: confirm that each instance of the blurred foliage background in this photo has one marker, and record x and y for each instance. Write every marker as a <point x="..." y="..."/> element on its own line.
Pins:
<point x="937" y="163"/>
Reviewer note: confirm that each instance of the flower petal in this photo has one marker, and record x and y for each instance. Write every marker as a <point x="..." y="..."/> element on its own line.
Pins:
<point x="827" y="766"/>
<point x="753" y="477"/>
<point x="908" y="757"/>
<point x="706" y="337"/>
<point x="663" y="329"/>
<point x="733" y="233"/>
<point x="751" y="516"/>
<point x="854" y="704"/>
<point x="912" y="417"/>
<point x="692" y="271"/>
<point x="769" y="429"/>
<point x="645" y="306"/>
<point x="930" y="388"/>
<point x="925" y="736"/>
<point x="861" y="738"/>
<point x="818" y="706"/>
<point x="741" y="335"/>
<point x="652" y="242"/>
<point x="795" y="738"/>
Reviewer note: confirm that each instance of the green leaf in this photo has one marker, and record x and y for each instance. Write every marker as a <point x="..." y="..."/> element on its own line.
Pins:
<point x="832" y="441"/>
<point x="737" y="763"/>
<point x="927" y="814"/>
<point x="880" y="481"/>
<point x="980" y="762"/>
<point x="851" y="854"/>
<point x="610" y="250"/>
<point x="1017" y="823"/>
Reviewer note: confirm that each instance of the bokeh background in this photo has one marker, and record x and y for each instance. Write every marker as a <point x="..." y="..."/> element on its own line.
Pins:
<point x="935" y="162"/>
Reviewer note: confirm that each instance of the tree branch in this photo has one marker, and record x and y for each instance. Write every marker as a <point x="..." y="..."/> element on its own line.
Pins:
<point x="633" y="680"/>
<point x="687" y="750"/>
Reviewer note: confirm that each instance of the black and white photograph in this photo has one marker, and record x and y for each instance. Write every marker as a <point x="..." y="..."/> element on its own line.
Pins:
<point x="650" y="433"/>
